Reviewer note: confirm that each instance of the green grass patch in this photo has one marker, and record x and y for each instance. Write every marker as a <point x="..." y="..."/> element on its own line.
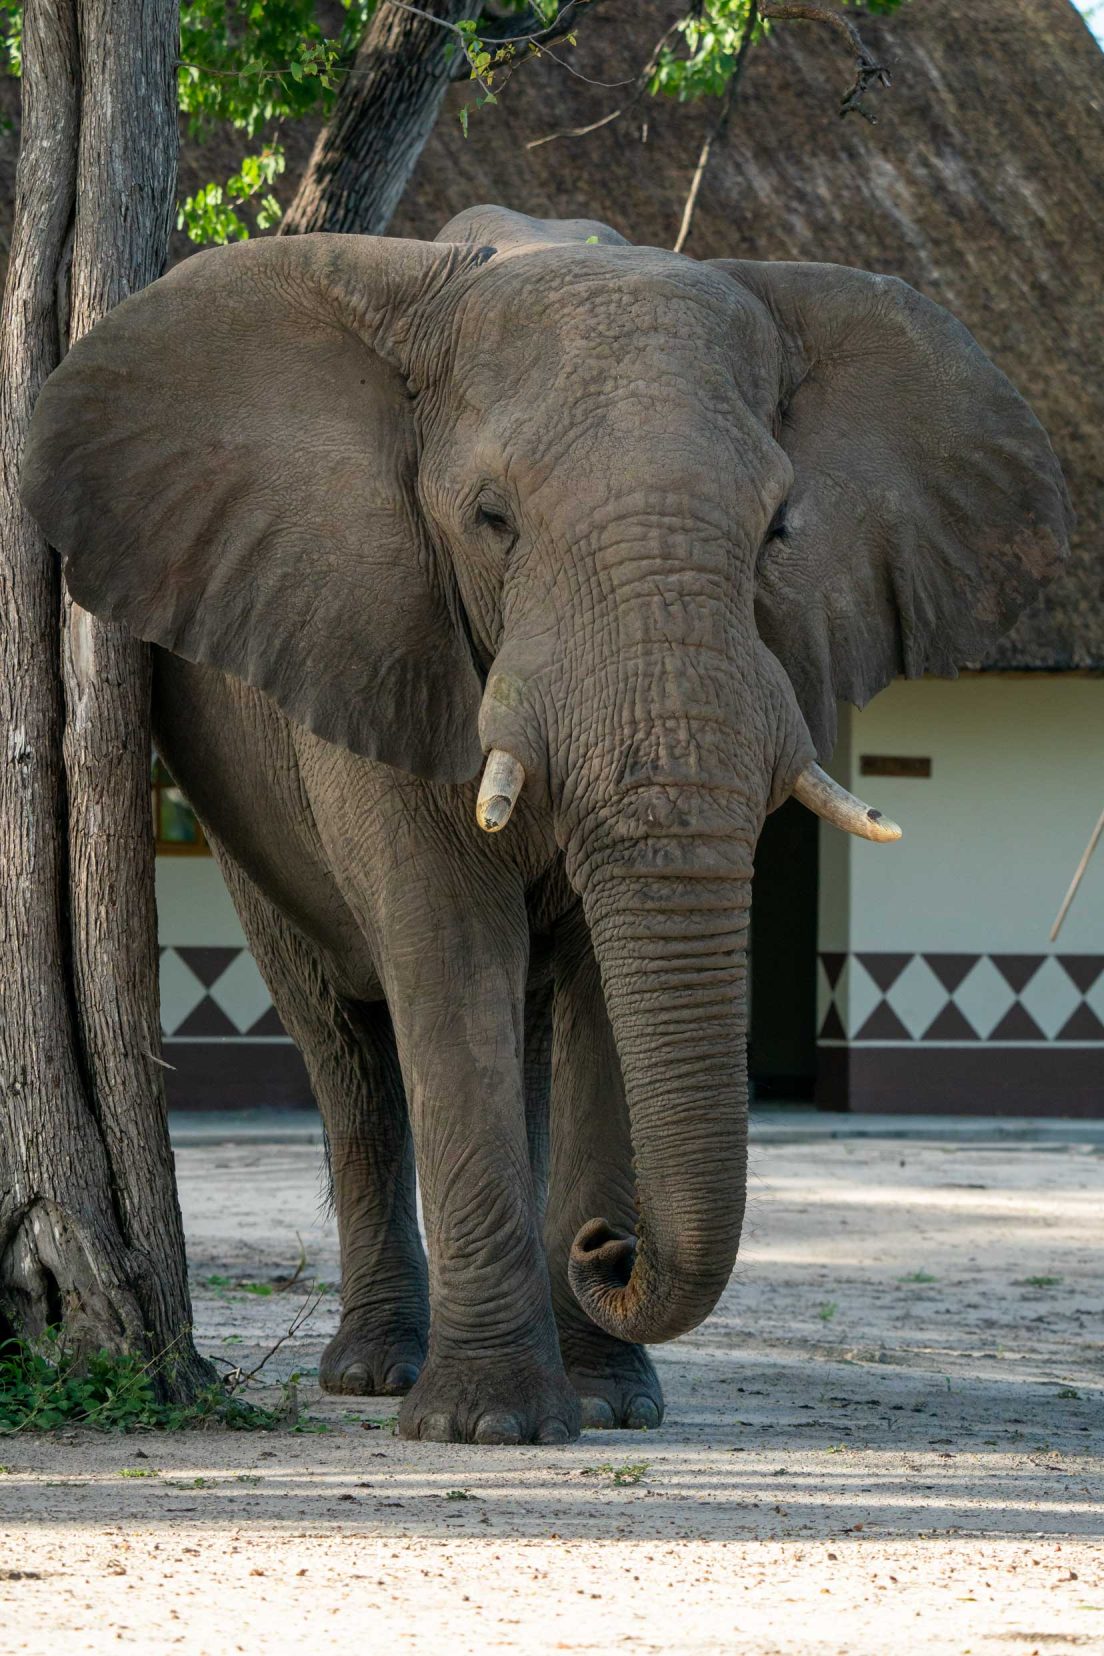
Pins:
<point x="629" y="1472"/>
<point x="1036" y="1282"/>
<point x="226" y="1285"/>
<point x="44" y="1386"/>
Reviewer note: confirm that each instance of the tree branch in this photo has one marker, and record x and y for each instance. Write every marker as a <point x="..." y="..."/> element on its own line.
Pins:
<point x="639" y="82"/>
<point x="869" y="70"/>
<point x="782" y="11"/>
<point x="505" y="31"/>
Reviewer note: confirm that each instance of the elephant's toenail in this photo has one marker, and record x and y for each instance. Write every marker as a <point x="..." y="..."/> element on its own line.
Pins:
<point x="497" y="1428"/>
<point x="553" y="1431"/>
<point x="597" y="1414"/>
<point x="399" y="1378"/>
<point x="642" y="1414"/>
<point x="355" y="1380"/>
<point x="437" y="1428"/>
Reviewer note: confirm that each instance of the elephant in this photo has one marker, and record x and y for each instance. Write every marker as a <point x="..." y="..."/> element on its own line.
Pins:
<point x="499" y="587"/>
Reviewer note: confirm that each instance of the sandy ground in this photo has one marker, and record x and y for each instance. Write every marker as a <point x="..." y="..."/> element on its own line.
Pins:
<point x="888" y="1438"/>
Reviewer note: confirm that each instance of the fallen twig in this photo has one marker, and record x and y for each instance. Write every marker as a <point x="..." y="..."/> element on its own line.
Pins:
<point x="236" y="1378"/>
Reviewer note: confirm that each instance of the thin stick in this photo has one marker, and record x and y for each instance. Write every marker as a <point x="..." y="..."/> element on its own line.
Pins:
<point x="718" y="129"/>
<point x="573" y="132"/>
<point x="641" y="87"/>
<point x="239" y="1377"/>
<point x="1094" y="839"/>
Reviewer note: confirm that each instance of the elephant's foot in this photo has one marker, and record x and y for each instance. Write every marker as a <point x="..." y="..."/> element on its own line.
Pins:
<point x="616" y="1382"/>
<point x="515" y="1400"/>
<point x="366" y="1360"/>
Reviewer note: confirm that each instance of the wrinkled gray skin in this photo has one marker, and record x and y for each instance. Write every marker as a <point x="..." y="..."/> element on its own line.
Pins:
<point x="636" y="520"/>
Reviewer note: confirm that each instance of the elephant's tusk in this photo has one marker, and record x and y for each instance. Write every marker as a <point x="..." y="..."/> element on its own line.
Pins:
<point x="503" y="780"/>
<point x="815" y="788"/>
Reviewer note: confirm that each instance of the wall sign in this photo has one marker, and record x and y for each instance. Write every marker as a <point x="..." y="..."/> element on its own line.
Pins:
<point x="886" y="764"/>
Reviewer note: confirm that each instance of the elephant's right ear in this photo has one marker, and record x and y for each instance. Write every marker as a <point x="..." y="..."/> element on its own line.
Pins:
<point x="227" y="464"/>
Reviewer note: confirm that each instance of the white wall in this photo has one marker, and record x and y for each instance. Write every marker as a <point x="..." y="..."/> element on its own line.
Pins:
<point x="992" y="840"/>
<point x="990" y="843"/>
<point x="193" y="907"/>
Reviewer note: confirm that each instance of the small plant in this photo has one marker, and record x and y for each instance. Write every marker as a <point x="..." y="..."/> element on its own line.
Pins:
<point x="139" y="1471"/>
<point x="1036" y="1282"/>
<point x="918" y="1277"/>
<point x="460" y="1495"/>
<point x="629" y="1472"/>
<point x="1065" y="1391"/>
<point x="224" y="1285"/>
<point x="44" y="1385"/>
<point x="827" y="1311"/>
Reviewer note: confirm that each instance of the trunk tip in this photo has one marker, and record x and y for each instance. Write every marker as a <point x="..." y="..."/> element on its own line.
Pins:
<point x="599" y="1270"/>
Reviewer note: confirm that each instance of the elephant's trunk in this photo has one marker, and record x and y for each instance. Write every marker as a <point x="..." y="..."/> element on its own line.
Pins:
<point x="667" y="730"/>
<point x="672" y="952"/>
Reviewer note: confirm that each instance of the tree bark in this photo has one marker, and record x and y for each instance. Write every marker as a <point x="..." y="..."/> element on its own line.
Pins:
<point x="386" y="109"/>
<point x="90" y="1229"/>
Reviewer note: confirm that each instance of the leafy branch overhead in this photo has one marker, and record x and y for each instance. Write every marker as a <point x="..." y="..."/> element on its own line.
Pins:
<point x="257" y="64"/>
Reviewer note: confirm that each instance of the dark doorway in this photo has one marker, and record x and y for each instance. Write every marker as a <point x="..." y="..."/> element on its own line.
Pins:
<point x="782" y="1047"/>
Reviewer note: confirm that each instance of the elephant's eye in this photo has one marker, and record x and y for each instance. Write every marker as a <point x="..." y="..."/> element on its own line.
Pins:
<point x="776" y="528"/>
<point x="776" y="531"/>
<point x="491" y="518"/>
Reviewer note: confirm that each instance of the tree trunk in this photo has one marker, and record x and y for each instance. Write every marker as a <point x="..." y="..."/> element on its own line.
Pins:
<point x="90" y="1230"/>
<point x="386" y="109"/>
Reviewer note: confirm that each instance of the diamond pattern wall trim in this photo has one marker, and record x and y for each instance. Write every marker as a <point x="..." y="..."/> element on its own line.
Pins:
<point x="960" y="999"/>
<point x="864" y="998"/>
<point x="215" y="993"/>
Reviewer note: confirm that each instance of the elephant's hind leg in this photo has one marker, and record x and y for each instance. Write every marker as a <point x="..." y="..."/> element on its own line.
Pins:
<point x="349" y="1052"/>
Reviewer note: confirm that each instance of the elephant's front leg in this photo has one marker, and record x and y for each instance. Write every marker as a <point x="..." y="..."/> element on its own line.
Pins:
<point x="455" y="972"/>
<point x="591" y="1176"/>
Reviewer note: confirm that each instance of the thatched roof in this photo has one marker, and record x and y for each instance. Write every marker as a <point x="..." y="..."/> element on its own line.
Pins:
<point x="982" y="184"/>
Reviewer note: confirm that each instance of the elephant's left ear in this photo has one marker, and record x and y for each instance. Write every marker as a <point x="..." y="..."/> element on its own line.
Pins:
<point x="927" y="505"/>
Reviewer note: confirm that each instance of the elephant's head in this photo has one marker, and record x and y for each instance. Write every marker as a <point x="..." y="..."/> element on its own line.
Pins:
<point x="630" y="523"/>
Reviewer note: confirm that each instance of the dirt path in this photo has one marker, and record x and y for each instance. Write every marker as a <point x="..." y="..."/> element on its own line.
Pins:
<point x="888" y="1438"/>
